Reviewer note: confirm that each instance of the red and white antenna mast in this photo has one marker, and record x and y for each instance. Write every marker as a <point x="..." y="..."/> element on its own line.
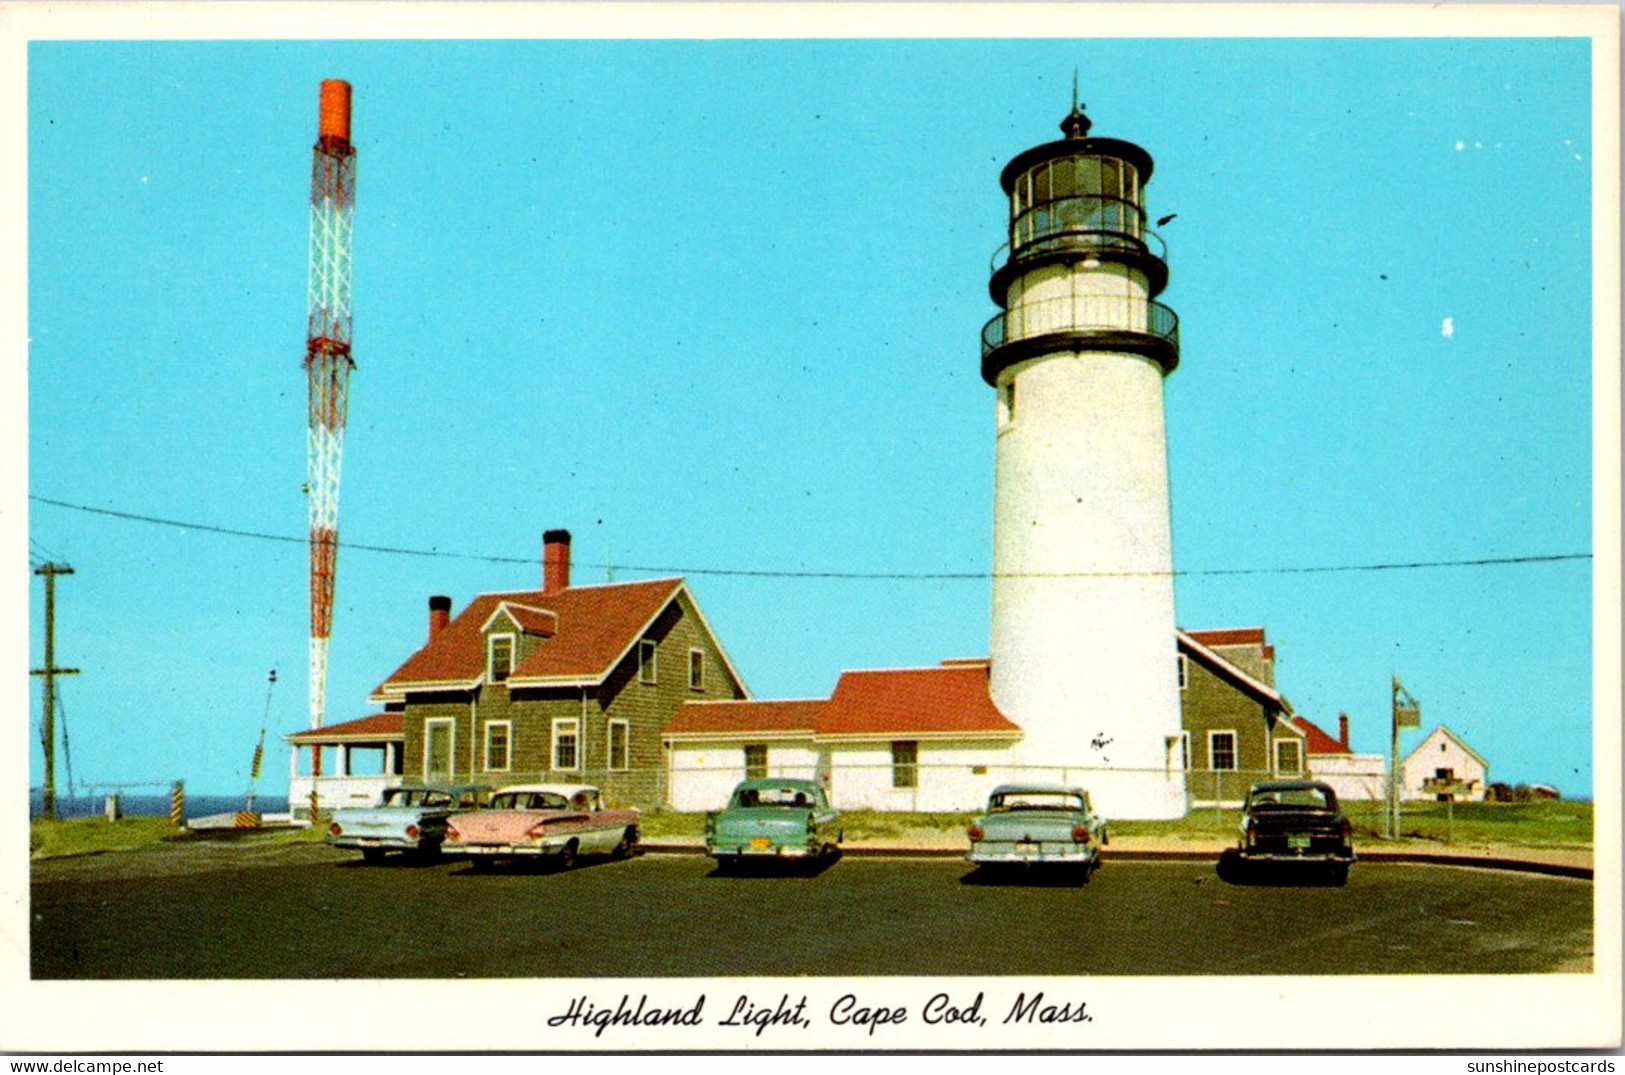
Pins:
<point x="327" y="362"/>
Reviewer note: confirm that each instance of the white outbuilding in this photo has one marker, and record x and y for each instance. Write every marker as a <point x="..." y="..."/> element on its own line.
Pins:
<point x="1443" y="765"/>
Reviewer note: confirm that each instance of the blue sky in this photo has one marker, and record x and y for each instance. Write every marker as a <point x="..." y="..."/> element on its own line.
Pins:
<point x="715" y="305"/>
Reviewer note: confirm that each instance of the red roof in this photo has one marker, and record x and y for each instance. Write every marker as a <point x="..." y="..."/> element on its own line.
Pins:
<point x="1316" y="740"/>
<point x="533" y="621"/>
<point x="950" y="699"/>
<point x="1229" y="636"/>
<point x="728" y="718"/>
<point x="377" y="726"/>
<point x="595" y="626"/>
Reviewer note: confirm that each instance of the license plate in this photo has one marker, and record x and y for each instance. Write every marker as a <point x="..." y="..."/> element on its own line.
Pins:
<point x="1027" y="849"/>
<point x="760" y="843"/>
<point x="1298" y="843"/>
<point x="368" y="843"/>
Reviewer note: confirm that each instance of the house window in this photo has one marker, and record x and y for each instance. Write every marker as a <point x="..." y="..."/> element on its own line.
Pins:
<point x="619" y="737"/>
<point x="501" y="657"/>
<point x="646" y="661"/>
<point x="1288" y="756"/>
<point x="1221" y="751"/>
<point x="905" y="765"/>
<point x="696" y="669"/>
<point x="497" y="734"/>
<point x="566" y="744"/>
<point x="1445" y="774"/>
<point x="755" y="761"/>
<point x="1184" y="671"/>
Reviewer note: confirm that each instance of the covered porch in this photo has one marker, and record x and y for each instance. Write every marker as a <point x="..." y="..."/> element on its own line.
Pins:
<point x="348" y="764"/>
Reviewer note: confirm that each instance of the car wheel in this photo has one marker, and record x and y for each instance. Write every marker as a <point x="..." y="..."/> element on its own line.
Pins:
<point x="725" y="863"/>
<point x="628" y="839"/>
<point x="480" y="864"/>
<point x="374" y="855"/>
<point x="567" y="857"/>
<point x="1339" y="874"/>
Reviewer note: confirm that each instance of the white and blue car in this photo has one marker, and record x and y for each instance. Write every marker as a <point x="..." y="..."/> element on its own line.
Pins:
<point x="410" y="819"/>
<point x="1038" y="825"/>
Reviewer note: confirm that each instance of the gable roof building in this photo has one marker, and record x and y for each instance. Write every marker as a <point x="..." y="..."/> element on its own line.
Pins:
<point x="564" y="683"/>
<point x="1443" y="761"/>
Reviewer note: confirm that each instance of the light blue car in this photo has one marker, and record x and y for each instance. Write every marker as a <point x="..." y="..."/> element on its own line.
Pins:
<point x="411" y="818"/>
<point x="1038" y="825"/>
<point x="773" y="818"/>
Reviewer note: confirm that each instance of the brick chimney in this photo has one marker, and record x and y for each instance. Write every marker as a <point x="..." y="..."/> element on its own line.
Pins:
<point x="1343" y="730"/>
<point x="439" y="614"/>
<point x="555" y="561"/>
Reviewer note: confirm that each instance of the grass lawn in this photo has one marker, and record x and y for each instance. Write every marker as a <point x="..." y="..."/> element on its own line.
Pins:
<point x="89" y="835"/>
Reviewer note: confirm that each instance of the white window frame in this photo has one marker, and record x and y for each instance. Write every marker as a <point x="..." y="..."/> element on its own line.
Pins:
<point x="908" y="769"/>
<point x="451" y="745"/>
<point x="1296" y="744"/>
<point x="491" y="652"/>
<point x="648" y="661"/>
<point x="1235" y="750"/>
<point x="626" y="744"/>
<point x="767" y="763"/>
<point x="696" y="684"/>
<point x="1184" y="671"/>
<point x="507" y="762"/>
<point x="562" y="726"/>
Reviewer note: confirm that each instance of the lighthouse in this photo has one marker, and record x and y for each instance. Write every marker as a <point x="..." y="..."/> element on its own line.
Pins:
<point x="1083" y="645"/>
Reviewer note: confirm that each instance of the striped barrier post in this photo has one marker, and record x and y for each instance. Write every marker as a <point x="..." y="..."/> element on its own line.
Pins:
<point x="246" y="819"/>
<point x="177" y="804"/>
<point x="315" y="815"/>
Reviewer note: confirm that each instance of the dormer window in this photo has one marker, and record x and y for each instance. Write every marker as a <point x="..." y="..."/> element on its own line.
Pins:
<point x="500" y="660"/>
<point x="646" y="661"/>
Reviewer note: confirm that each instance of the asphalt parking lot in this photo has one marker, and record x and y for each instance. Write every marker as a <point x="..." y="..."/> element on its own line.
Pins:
<point x="672" y="915"/>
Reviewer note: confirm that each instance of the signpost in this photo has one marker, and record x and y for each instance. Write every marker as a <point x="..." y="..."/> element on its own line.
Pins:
<point x="1407" y="713"/>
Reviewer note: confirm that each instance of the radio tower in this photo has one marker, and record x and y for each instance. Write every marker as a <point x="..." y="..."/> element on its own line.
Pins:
<point x="327" y="362"/>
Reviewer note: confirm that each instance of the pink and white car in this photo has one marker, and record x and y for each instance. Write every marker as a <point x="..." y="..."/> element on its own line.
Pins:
<point x="561" y="821"/>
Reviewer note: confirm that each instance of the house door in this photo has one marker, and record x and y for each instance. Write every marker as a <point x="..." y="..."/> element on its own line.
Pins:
<point x="437" y="751"/>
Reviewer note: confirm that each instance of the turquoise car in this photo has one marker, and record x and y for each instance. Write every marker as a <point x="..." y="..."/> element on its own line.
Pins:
<point x="1038" y="825"/>
<point x="773" y="819"/>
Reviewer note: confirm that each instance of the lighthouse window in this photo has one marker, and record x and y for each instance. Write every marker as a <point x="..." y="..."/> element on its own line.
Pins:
<point x="1007" y="399"/>
<point x="1111" y="178"/>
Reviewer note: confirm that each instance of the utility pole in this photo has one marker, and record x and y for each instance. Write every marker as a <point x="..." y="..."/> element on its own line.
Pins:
<point x="50" y="672"/>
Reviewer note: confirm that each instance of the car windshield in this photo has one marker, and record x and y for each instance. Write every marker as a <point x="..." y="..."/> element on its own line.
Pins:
<point x="528" y="800"/>
<point x="1289" y="799"/>
<point x="1035" y="800"/>
<point x="788" y="797"/>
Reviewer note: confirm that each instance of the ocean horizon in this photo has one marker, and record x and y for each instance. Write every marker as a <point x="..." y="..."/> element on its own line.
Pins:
<point x="152" y="804"/>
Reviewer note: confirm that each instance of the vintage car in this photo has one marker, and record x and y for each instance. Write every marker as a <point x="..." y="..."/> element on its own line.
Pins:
<point x="1296" y="821"/>
<point x="1038" y="825"/>
<point x="410" y="818"/>
<point x="773" y="818"/>
<point x="558" y="821"/>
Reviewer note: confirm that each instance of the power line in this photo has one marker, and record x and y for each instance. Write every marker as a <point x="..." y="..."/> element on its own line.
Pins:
<point x="912" y="576"/>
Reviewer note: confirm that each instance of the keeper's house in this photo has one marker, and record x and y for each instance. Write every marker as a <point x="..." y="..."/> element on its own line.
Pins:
<point x="567" y="683"/>
<point x="932" y="739"/>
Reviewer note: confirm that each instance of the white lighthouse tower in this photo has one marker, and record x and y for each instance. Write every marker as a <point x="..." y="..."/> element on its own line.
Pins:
<point x="1084" y="656"/>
